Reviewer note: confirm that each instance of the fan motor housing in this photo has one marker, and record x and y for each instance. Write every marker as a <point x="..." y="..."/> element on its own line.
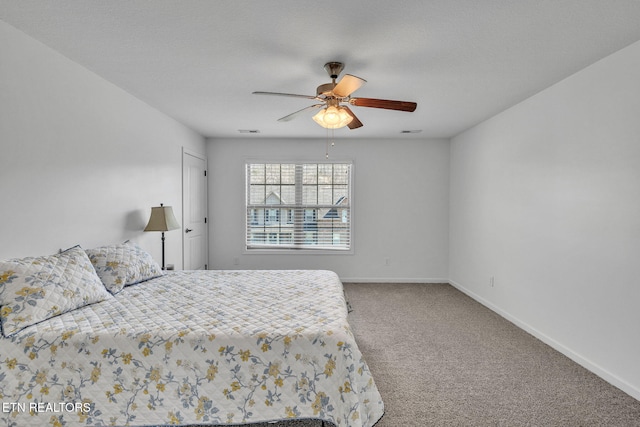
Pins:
<point x="325" y="89"/>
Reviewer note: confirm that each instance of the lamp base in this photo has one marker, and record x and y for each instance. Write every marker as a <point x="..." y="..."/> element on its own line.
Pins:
<point x="163" y="251"/>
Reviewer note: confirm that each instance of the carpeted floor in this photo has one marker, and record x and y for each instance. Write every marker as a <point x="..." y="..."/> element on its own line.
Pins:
<point x="440" y="358"/>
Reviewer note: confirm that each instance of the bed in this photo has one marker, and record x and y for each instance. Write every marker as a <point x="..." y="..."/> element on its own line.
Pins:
<point x="176" y="348"/>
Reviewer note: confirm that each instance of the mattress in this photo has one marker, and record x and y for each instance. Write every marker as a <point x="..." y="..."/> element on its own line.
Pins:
<point x="194" y="347"/>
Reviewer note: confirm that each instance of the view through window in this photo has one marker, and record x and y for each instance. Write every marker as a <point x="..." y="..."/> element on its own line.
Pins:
<point x="298" y="206"/>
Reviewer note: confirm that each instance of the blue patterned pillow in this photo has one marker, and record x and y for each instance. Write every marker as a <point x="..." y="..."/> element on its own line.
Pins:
<point x="34" y="289"/>
<point x="123" y="265"/>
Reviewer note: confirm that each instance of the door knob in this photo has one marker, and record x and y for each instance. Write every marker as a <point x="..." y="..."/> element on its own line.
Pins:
<point x="188" y="230"/>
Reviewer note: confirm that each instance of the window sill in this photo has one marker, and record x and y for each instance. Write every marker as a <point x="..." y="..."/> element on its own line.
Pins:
<point x="280" y="251"/>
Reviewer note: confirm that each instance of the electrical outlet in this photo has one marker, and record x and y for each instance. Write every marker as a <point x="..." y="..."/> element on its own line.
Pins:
<point x="387" y="261"/>
<point x="491" y="281"/>
<point x="236" y="261"/>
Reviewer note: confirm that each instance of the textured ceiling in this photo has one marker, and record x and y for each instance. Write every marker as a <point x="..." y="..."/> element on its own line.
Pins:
<point x="199" y="61"/>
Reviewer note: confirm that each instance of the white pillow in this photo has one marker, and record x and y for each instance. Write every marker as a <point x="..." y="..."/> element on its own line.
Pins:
<point x="123" y="265"/>
<point x="34" y="289"/>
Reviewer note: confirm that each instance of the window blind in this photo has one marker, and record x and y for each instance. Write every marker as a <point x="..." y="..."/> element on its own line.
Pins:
<point x="298" y="206"/>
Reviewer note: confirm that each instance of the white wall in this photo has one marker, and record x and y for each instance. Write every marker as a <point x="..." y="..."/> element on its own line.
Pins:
<point x="545" y="197"/>
<point x="400" y="206"/>
<point x="81" y="161"/>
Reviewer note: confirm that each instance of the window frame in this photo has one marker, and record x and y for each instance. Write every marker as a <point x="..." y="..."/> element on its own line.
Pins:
<point x="247" y="250"/>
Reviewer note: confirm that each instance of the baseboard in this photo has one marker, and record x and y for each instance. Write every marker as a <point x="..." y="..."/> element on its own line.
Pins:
<point x="582" y="361"/>
<point x="392" y="280"/>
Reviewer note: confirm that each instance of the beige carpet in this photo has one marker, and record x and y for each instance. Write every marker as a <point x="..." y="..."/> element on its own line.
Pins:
<point x="441" y="359"/>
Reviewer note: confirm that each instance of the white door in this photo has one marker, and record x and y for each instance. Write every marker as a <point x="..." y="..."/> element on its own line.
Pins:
<point x="194" y="212"/>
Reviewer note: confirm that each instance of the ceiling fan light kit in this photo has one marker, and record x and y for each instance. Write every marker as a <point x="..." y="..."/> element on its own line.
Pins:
<point x="333" y="115"/>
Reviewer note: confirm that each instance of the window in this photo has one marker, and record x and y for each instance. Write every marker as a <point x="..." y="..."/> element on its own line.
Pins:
<point x="298" y="206"/>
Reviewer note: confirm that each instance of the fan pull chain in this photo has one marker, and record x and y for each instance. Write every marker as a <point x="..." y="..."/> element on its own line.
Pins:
<point x="333" y="141"/>
<point x="327" y="148"/>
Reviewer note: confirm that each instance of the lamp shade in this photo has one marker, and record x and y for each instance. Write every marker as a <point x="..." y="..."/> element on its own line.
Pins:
<point x="333" y="117"/>
<point x="162" y="219"/>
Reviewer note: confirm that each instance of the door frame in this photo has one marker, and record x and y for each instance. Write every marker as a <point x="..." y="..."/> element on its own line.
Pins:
<point x="186" y="151"/>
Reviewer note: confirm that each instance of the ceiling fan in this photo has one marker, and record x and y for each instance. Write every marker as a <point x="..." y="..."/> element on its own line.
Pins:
<point x="333" y="114"/>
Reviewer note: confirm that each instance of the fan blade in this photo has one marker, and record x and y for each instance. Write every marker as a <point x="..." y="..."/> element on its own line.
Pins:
<point x="285" y="94"/>
<point x="347" y="85"/>
<point x="294" y="115"/>
<point x="384" y="103"/>
<point x="354" y="123"/>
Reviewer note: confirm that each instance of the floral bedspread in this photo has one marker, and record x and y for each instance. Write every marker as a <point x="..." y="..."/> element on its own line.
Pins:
<point x="194" y="347"/>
